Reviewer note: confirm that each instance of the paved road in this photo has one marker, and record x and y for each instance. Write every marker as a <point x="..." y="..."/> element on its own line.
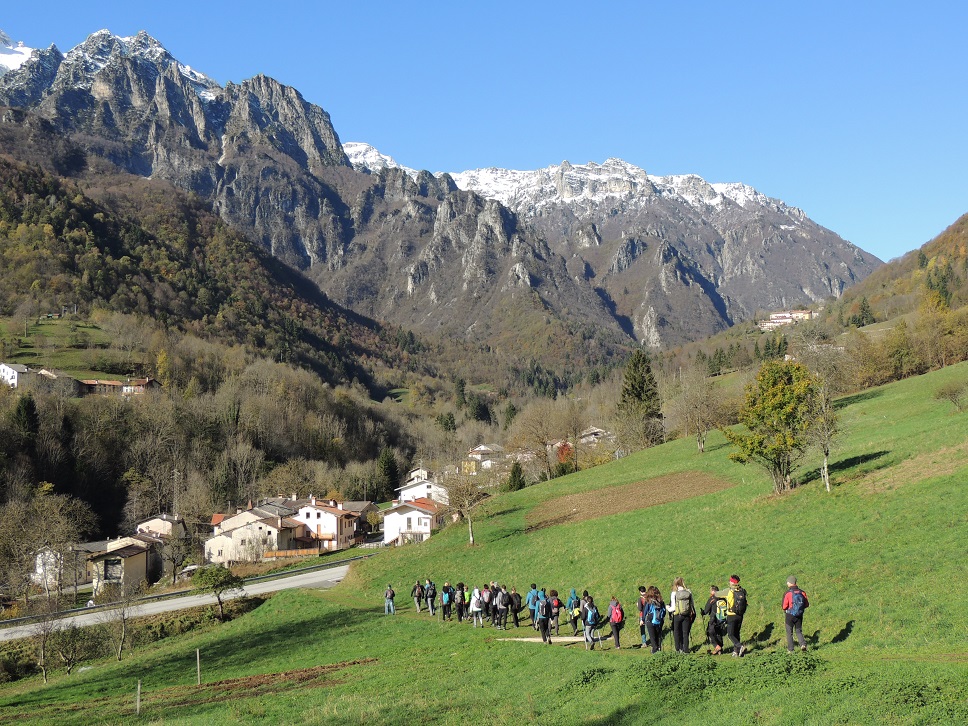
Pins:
<point x="320" y="580"/>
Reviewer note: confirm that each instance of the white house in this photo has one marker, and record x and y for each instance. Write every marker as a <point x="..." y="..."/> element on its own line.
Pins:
<point x="328" y="523"/>
<point x="164" y="525"/>
<point x="252" y="539"/>
<point x="421" y="486"/>
<point x="15" y="375"/>
<point x="411" y="521"/>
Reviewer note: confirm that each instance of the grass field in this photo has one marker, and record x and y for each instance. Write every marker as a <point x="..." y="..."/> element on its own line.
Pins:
<point x="882" y="558"/>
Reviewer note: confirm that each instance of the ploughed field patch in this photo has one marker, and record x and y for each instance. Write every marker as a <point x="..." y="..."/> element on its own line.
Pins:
<point x="155" y="701"/>
<point x="627" y="498"/>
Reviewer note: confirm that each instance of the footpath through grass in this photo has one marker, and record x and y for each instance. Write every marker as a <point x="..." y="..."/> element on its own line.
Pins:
<point x="882" y="558"/>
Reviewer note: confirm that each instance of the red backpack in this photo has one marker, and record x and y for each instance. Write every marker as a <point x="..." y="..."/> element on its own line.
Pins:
<point x="617" y="615"/>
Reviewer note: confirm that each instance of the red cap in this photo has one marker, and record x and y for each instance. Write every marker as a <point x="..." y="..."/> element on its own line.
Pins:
<point x="734" y="580"/>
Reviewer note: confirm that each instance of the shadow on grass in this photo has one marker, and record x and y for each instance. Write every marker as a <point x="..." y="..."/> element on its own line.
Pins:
<point x="857" y="398"/>
<point x="844" y="633"/>
<point x="849" y="463"/>
<point x="764" y="635"/>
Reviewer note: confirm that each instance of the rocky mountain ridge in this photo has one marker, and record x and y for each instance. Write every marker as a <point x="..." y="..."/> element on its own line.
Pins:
<point x="593" y="253"/>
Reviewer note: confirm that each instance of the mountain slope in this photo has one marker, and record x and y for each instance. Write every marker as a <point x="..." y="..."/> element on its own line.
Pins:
<point x="606" y="250"/>
<point x="719" y="251"/>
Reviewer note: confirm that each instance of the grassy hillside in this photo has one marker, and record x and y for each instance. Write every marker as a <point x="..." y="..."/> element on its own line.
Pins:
<point x="882" y="558"/>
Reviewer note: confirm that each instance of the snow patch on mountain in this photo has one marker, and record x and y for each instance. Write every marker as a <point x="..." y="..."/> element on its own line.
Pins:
<point x="12" y="55"/>
<point x="587" y="185"/>
<point x="367" y="158"/>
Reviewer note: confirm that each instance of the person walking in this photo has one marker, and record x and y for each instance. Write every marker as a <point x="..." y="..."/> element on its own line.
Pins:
<point x="736" y="603"/>
<point x="503" y="603"/>
<point x="683" y="614"/>
<point x="556" y="608"/>
<point x="417" y="593"/>
<point x="616" y="617"/>
<point x="460" y="602"/>
<point x="388" y="595"/>
<point x="430" y="596"/>
<point x="447" y="601"/>
<point x="655" y="613"/>
<point x="542" y="614"/>
<point x="642" y="605"/>
<point x="590" y="621"/>
<point x="573" y="606"/>
<point x="515" y="606"/>
<point x="794" y="603"/>
<point x="487" y="595"/>
<point x="477" y="608"/>
<point x="531" y="600"/>
<point x="715" y="609"/>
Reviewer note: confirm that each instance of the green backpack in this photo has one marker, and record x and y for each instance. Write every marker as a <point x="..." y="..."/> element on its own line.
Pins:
<point x="684" y="602"/>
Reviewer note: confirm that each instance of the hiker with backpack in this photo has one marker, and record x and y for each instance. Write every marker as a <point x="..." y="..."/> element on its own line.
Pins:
<point x="590" y="621"/>
<point x="542" y="614"/>
<point x="388" y="595"/>
<point x="531" y="600"/>
<point x="715" y="608"/>
<point x="430" y="596"/>
<point x="573" y="606"/>
<point x="794" y="603"/>
<point x="515" y="606"/>
<point x="683" y="614"/>
<point x="487" y="595"/>
<point x="460" y="601"/>
<point x="477" y="608"/>
<point x="736" y="603"/>
<point x="556" y="608"/>
<point x="502" y="602"/>
<point x="655" y="612"/>
<point x="447" y="601"/>
<point x="417" y="593"/>
<point x="641" y="605"/>
<point x="616" y="617"/>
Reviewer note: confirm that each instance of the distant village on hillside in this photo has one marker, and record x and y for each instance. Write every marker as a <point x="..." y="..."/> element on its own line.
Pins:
<point x="276" y="527"/>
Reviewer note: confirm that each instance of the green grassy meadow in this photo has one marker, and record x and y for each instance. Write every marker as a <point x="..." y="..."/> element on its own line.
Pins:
<point x="882" y="557"/>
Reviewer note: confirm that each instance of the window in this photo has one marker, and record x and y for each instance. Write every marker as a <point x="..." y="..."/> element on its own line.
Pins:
<point x="318" y="515"/>
<point x="219" y="553"/>
<point x="242" y="542"/>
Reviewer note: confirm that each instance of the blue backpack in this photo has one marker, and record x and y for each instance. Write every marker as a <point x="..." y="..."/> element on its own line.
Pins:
<point x="446" y="598"/>
<point x="798" y="603"/>
<point x="591" y="616"/>
<point x="658" y="613"/>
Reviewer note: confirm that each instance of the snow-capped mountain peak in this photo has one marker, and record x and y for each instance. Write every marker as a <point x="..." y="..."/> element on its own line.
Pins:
<point x="12" y="55"/>
<point x="581" y="185"/>
<point x="84" y="61"/>
<point x="364" y="157"/>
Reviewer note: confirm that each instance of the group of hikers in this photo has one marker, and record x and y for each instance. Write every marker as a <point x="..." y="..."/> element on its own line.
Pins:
<point x="494" y="604"/>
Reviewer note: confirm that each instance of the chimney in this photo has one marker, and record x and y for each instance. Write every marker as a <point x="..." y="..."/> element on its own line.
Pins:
<point x="250" y="505"/>
<point x="339" y="506"/>
<point x="312" y="498"/>
<point x="332" y="502"/>
<point x="294" y="496"/>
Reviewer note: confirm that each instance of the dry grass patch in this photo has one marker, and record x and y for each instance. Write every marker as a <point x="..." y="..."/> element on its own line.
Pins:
<point x="942" y="462"/>
<point x="628" y="498"/>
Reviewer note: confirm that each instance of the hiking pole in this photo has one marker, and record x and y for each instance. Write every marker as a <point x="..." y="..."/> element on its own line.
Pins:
<point x="708" y="644"/>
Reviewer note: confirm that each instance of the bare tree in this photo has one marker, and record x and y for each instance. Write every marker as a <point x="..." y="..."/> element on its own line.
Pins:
<point x="464" y="492"/>
<point x="117" y="619"/>
<point x="696" y="406"/>
<point x="572" y="421"/>
<point x="535" y="429"/>
<point x="74" y="644"/>
<point x="44" y="633"/>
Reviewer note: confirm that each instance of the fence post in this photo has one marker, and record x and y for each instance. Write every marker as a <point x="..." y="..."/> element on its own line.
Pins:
<point x="198" y="665"/>
<point x="137" y="707"/>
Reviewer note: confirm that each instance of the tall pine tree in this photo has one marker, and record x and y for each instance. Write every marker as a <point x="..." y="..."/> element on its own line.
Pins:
<point x="640" y="408"/>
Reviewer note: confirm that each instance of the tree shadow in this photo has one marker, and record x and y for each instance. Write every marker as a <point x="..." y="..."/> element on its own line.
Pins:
<point x="844" y="633"/>
<point x="849" y="463"/>
<point x="857" y="398"/>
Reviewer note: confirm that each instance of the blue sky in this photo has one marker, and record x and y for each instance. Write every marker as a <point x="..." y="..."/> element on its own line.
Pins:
<point x="855" y="112"/>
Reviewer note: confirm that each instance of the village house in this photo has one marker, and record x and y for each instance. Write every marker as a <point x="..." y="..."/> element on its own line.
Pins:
<point x="128" y="562"/>
<point x="421" y="485"/>
<point x="412" y="521"/>
<point x="330" y="525"/>
<point x="787" y="317"/>
<point x="16" y="375"/>
<point x="253" y="540"/>
<point x="163" y="525"/>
